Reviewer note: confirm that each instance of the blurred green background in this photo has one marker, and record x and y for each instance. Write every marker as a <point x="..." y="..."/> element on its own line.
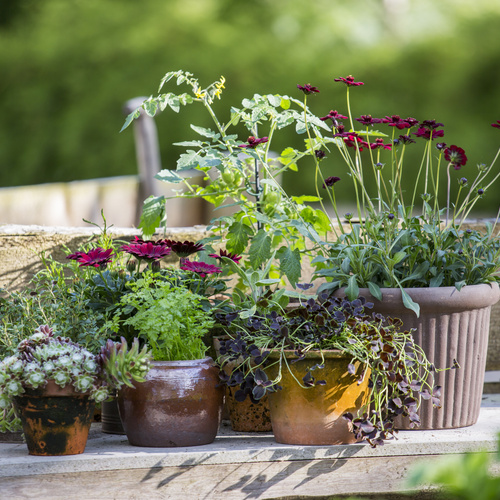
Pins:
<point x="68" y="66"/>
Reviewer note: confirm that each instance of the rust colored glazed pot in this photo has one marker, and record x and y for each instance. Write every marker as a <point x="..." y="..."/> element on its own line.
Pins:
<point x="179" y="404"/>
<point x="313" y="416"/>
<point x="55" y="420"/>
<point x="244" y="416"/>
<point x="452" y="325"/>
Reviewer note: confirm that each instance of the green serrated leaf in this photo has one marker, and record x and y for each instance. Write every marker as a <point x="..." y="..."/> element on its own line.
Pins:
<point x="150" y="106"/>
<point x="172" y="176"/>
<point x="130" y="118"/>
<point x="153" y="213"/>
<point x="205" y="132"/>
<point x="274" y="100"/>
<point x="290" y="264"/>
<point x="260" y="249"/>
<point x="237" y="237"/>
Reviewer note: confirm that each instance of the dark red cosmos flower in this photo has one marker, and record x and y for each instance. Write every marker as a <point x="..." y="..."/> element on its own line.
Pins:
<point x="308" y="89"/>
<point x="200" y="268"/>
<point x="349" y="81"/>
<point x="405" y="139"/>
<point x="427" y="133"/>
<point x="334" y="116"/>
<point x="253" y="142"/>
<point x="183" y="248"/>
<point x="496" y="125"/>
<point x="147" y="250"/>
<point x="411" y="121"/>
<point x="350" y="141"/>
<point x="97" y="257"/>
<point x="224" y="253"/>
<point x="368" y="120"/>
<point x="330" y="181"/>
<point x="319" y="153"/>
<point x="431" y="124"/>
<point x="440" y="146"/>
<point x="379" y="143"/>
<point x="456" y="156"/>
<point x="398" y="122"/>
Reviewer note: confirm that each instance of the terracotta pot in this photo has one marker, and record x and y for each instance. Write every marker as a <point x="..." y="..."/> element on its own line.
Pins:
<point x="244" y="416"/>
<point x="452" y="325"/>
<point x="313" y="416"/>
<point x="179" y="404"/>
<point x="55" y="420"/>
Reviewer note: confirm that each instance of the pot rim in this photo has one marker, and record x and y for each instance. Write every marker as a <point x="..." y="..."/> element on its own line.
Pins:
<point x="327" y="353"/>
<point x="183" y="362"/>
<point x="469" y="297"/>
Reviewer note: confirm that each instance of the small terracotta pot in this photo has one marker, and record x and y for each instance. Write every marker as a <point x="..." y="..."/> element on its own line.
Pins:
<point x="179" y="404"/>
<point x="314" y="416"/>
<point x="244" y="416"/>
<point x="55" y="420"/>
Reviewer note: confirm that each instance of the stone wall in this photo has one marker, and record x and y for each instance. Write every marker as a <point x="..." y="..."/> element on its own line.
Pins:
<point x="20" y="248"/>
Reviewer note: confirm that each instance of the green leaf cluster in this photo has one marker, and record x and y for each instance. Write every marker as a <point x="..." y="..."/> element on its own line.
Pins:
<point x="169" y="319"/>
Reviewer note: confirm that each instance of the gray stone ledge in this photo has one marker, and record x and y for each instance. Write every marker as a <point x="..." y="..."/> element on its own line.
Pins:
<point x="237" y="461"/>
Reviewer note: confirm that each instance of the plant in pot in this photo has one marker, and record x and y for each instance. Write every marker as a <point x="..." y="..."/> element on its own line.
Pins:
<point x="105" y="271"/>
<point x="50" y="384"/>
<point x="334" y="374"/>
<point x="408" y="248"/>
<point x="180" y="402"/>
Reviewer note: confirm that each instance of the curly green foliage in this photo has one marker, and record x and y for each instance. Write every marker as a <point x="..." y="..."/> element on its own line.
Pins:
<point x="169" y="319"/>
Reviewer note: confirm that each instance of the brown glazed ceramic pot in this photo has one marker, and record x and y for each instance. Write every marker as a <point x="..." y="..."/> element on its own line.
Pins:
<point x="244" y="416"/>
<point x="55" y="420"/>
<point x="179" y="404"/>
<point x="452" y="325"/>
<point x="313" y="416"/>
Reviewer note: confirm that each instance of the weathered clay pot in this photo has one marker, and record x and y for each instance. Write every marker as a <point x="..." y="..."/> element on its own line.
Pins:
<point x="55" y="420"/>
<point x="244" y="416"/>
<point x="452" y="325"/>
<point x="179" y="404"/>
<point x="313" y="416"/>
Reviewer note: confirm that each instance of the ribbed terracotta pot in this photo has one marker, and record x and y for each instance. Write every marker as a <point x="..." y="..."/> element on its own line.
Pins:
<point x="179" y="404"/>
<point x="55" y="420"/>
<point x="452" y="325"/>
<point x="313" y="416"/>
<point x="244" y="416"/>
